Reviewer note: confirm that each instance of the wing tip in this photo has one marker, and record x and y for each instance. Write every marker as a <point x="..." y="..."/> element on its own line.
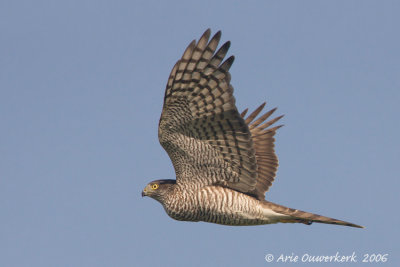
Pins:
<point x="227" y="63"/>
<point x="207" y="32"/>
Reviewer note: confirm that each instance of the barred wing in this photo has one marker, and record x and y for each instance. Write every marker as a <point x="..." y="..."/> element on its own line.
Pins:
<point x="263" y="140"/>
<point x="200" y="128"/>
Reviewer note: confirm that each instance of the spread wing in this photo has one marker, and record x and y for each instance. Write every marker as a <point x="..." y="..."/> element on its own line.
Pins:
<point x="263" y="142"/>
<point x="200" y="128"/>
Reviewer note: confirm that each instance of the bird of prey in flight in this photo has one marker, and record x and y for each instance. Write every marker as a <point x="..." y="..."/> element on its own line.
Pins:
<point x="224" y="161"/>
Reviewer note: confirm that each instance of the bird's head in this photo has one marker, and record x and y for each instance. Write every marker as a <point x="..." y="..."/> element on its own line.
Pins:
<point x="158" y="189"/>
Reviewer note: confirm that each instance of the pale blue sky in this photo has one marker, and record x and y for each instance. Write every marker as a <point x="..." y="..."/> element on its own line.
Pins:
<point x="81" y="89"/>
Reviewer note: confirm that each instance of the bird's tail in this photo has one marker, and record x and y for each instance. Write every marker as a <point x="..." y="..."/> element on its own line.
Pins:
<point x="298" y="216"/>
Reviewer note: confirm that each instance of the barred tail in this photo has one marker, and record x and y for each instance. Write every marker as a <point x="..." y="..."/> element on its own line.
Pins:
<point x="298" y="216"/>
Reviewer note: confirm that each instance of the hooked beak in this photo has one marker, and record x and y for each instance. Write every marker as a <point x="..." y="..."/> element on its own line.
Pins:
<point x="143" y="193"/>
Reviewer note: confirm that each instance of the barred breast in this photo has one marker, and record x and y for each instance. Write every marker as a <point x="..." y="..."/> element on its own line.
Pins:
<point x="219" y="205"/>
<point x="228" y="207"/>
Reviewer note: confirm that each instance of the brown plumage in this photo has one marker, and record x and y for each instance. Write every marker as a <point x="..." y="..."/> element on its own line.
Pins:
<point x="224" y="162"/>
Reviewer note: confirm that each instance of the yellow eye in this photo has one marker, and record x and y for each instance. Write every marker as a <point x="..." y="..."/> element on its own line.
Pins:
<point x="154" y="186"/>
